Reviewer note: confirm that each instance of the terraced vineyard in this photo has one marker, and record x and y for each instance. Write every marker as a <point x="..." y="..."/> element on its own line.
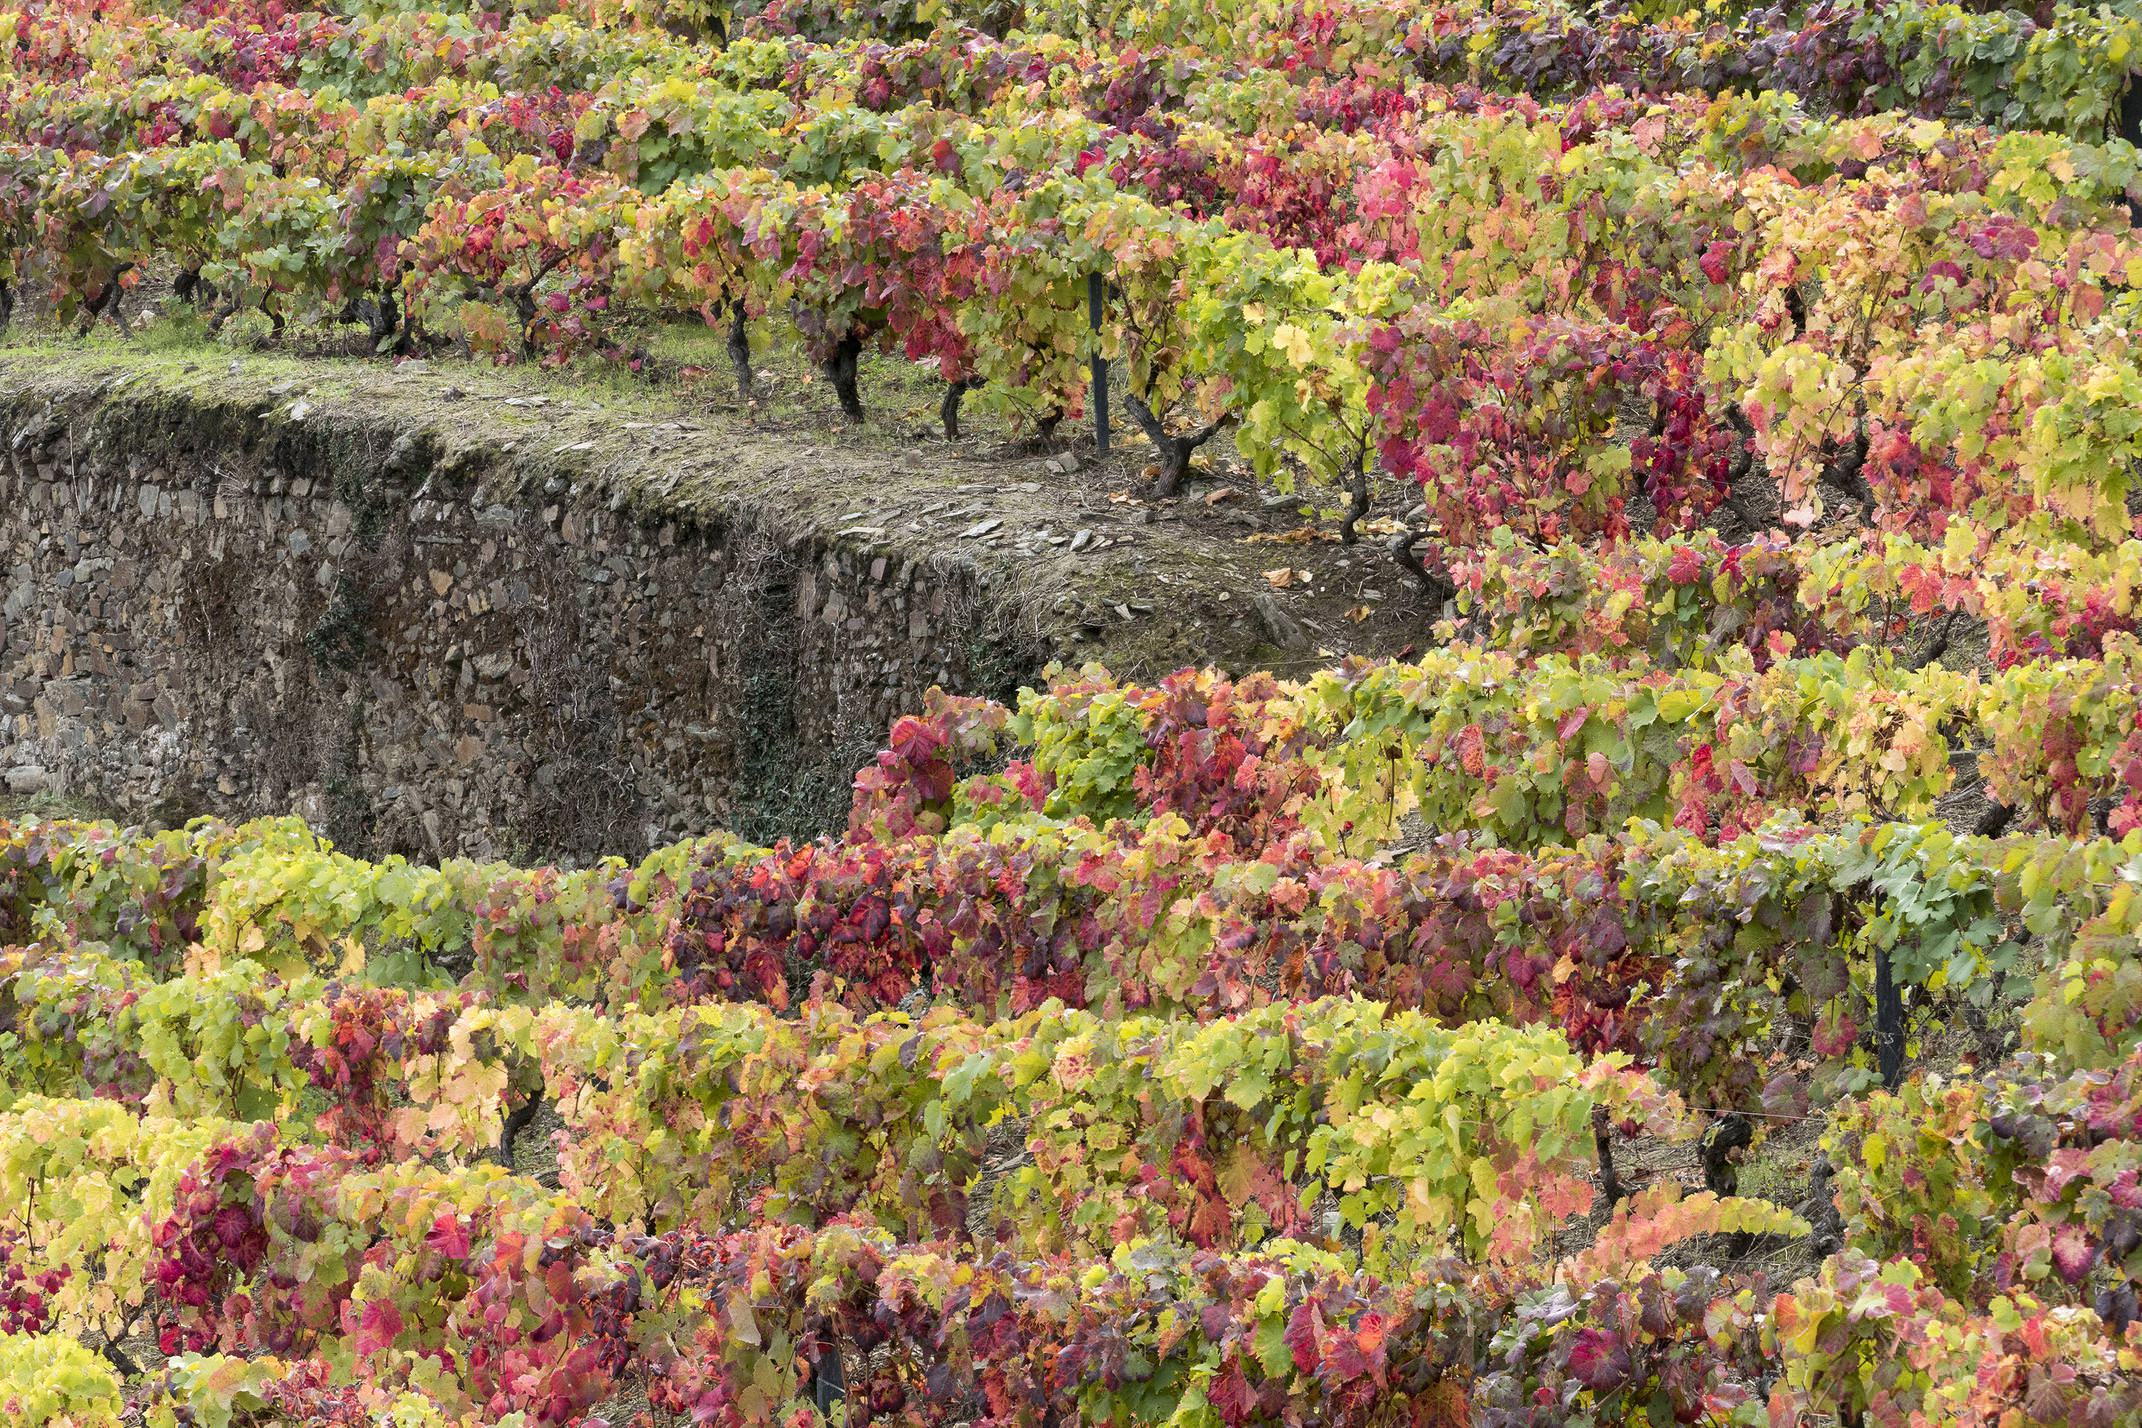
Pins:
<point x="1702" y="987"/>
<point x="1201" y="1114"/>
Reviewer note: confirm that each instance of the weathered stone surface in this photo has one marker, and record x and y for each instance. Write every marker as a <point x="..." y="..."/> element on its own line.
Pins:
<point x="548" y="626"/>
<point x="420" y="658"/>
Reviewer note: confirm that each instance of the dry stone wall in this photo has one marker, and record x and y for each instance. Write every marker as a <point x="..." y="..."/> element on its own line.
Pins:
<point x="205" y="610"/>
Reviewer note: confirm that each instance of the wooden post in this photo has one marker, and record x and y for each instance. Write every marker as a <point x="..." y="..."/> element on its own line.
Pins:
<point x="1888" y="1021"/>
<point x="1100" y="365"/>
<point x="2130" y="128"/>
<point x="829" y="1381"/>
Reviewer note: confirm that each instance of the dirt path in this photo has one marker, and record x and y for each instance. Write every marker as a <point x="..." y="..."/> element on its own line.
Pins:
<point x="1231" y="574"/>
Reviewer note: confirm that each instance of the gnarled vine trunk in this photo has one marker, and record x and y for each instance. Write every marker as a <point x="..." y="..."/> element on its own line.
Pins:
<point x="105" y="302"/>
<point x="1358" y="506"/>
<point x="384" y="321"/>
<point x="1433" y="583"/>
<point x="517" y="1122"/>
<point x="948" y="409"/>
<point x="840" y="371"/>
<point x="1729" y="1133"/>
<point x="740" y="350"/>
<point x="1610" y="1182"/>
<point x="1175" y="451"/>
<point x="1847" y="470"/>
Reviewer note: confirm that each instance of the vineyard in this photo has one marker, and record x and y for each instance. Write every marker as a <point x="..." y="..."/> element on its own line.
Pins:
<point x="1697" y="981"/>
